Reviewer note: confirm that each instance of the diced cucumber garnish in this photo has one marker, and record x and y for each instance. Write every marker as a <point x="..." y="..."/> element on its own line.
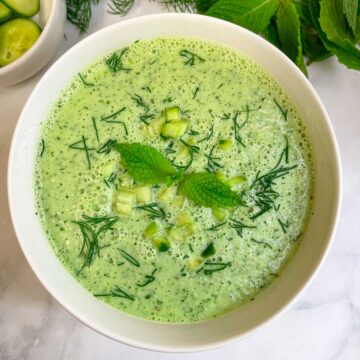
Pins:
<point x="156" y="126"/>
<point x="174" y="129"/>
<point x="26" y="8"/>
<point x="179" y="201"/>
<point x="194" y="263"/>
<point x="166" y="195"/>
<point x="208" y="251"/>
<point x="220" y="175"/>
<point x="16" y="37"/>
<point x="124" y="201"/>
<point x="176" y="233"/>
<point x="219" y="214"/>
<point x="236" y="180"/>
<point x="183" y="219"/>
<point x="5" y="12"/>
<point x="143" y="194"/>
<point x="225" y="145"/>
<point x="183" y="153"/>
<point x="191" y="229"/>
<point x="173" y="114"/>
<point x="161" y="243"/>
<point x="151" y="230"/>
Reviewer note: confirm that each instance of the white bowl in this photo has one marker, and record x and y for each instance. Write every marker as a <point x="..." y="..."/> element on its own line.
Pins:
<point x="114" y="323"/>
<point x="51" y="18"/>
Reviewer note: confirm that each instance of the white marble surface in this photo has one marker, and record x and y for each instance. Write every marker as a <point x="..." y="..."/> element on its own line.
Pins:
<point x="324" y="323"/>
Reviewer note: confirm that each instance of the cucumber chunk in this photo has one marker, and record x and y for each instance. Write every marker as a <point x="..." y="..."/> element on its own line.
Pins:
<point x="225" y="145"/>
<point x="151" y="230"/>
<point x="143" y="194"/>
<point x="161" y="243"/>
<point x="16" y="37"/>
<point x="155" y="126"/>
<point x="173" y="114"/>
<point x="236" y="180"/>
<point x="5" y="12"/>
<point x="219" y="214"/>
<point x="124" y="201"/>
<point x="208" y="251"/>
<point x="174" y="129"/>
<point x="26" y="8"/>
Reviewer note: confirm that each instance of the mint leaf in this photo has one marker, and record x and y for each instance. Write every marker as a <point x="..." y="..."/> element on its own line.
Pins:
<point x="147" y="165"/>
<point x="313" y="47"/>
<point x="350" y="8"/>
<point x="254" y="15"/>
<point x="204" y="5"/>
<point x="288" y="26"/>
<point x="207" y="190"/>
<point x="271" y="33"/>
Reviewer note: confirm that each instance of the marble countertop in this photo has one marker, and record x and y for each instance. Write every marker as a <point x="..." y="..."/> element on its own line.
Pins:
<point x="323" y="324"/>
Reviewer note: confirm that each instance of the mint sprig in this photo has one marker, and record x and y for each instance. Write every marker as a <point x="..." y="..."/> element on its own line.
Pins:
<point x="207" y="190"/>
<point x="147" y="165"/>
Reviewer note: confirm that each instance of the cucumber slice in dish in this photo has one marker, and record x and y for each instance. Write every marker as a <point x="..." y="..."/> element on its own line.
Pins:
<point x="5" y="12"/>
<point x="26" y="8"/>
<point x="16" y="37"/>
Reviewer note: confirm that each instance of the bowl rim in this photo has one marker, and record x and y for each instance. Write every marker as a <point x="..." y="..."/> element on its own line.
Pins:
<point x="305" y="283"/>
<point x="44" y="33"/>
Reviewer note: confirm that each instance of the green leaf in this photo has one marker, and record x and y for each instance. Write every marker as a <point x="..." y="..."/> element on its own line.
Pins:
<point x="350" y="8"/>
<point x="288" y="26"/>
<point x="207" y="190"/>
<point x="204" y="5"/>
<point x="349" y="56"/>
<point x="147" y="165"/>
<point x="271" y="33"/>
<point x="313" y="47"/>
<point x="254" y="15"/>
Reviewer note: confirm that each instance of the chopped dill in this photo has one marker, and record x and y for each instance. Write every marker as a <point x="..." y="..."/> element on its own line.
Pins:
<point x="169" y="99"/>
<point x="129" y="258"/>
<point x="95" y="128"/>
<point x="283" y="112"/>
<point x="117" y="292"/>
<point x="239" y="226"/>
<point x="196" y="92"/>
<point x="84" y="81"/>
<point x="91" y="229"/>
<point x="146" y="88"/>
<point x="191" y="248"/>
<point x="217" y="226"/>
<point x="193" y="132"/>
<point x="154" y="210"/>
<point x="284" y="225"/>
<point x="226" y="116"/>
<point x="140" y="102"/>
<point x="193" y="149"/>
<point x="237" y="128"/>
<point x="170" y="148"/>
<point x="190" y="58"/>
<point x="76" y="146"/>
<point x="220" y="86"/>
<point x="115" y="61"/>
<point x="42" y="147"/>
<point x="107" y="147"/>
<point x="148" y="279"/>
<point x="111" y="180"/>
<point x="206" y="138"/>
<point x="211" y="267"/>
<point x="79" y="13"/>
<point x="212" y="164"/>
<point x="261" y="243"/>
<point x="120" y="7"/>
<point x="146" y="117"/>
<point x="179" y="5"/>
<point x="110" y="118"/>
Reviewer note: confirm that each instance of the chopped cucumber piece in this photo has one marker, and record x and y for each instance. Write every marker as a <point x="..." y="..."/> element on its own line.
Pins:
<point x="126" y="181"/>
<point x="123" y="209"/>
<point x="236" y="180"/>
<point x="26" y="8"/>
<point x="179" y="201"/>
<point x="124" y="201"/>
<point x="173" y="114"/>
<point x="219" y="214"/>
<point x="194" y="263"/>
<point x="156" y="126"/>
<point x="208" y="251"/>
<point x="191" y="229"/>
<point x="151" y="230"/>
<point x="174" y="129"/>
<point x="161" y="243"/>
<point x="143" y="194"/>
<point x="225" y="145"/>
<point x="183" y="219"/>
<point x="220" y="175"/>
<point x="183" y="153"/>
<point x="5" y="12"/>
<point x="166" y="195"/>
<point x="16" y="37"/>
<point x="176" y="233"/>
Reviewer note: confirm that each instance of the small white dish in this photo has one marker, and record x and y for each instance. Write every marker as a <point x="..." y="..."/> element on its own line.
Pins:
<point x="51" y="18"/>
<point x="114" y="323"/>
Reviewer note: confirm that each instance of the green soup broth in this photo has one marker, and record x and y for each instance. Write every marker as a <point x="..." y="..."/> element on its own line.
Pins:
<point x="244" y="127"/>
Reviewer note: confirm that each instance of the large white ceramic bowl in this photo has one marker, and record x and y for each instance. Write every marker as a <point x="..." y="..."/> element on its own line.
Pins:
<point x="51" y="18"/>
<point x="114" y="323"/>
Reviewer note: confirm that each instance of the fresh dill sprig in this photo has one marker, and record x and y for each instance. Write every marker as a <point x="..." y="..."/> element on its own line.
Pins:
<point x="154" y="210"/>
<point x="84" y="81"/>
<point x="179" y="5"/>
<point x="168" y="99"/>
<point x="212" y="164"/>
<point x="111" y="180"/>
<point x="107" y="147"/>
<point x="193" y="149"/>
<point x="207" y="137"/>
<point x="193" y="132"/>
<point x="139" y="101"/>
<point x="79" y="13"/>
<point x="284" y="112"/>
<point x="110" y="118"/>
<point x="190" y="58"/>
<point x="261" y="243"/>
<point x="148" y="279"/>
<point x="210" y="267"/>
<point x="196" y="92"/>
<point x="170" y="148"/>
<point x="146" y="117"/>
<point x="82" y="145"/>
<point x="91" y="229"/>
<point x="42" y="147"/>
<point x="284" y="225"/>
<point x="129" y="258"/>
<point x="216" y="227"/>
<point x="117" y="292"/>
<point x="120" y="7"/>
<point x="95" y="129"/>
<point x="239" y="226"/>
<point x="115" y="61"/>
<point x="238" y="127"/>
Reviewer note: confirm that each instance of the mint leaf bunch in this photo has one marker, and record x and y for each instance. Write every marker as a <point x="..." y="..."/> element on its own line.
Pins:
<point x="315" y="29"/>
<point x="148" y="166"/>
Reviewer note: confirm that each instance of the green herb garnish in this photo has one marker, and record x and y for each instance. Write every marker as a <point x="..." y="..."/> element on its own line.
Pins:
<point x="111" y="118"/>
<point x="42" y="147"/>
<point x="217" y="226"/>
<point x="190" y="57"/>
<point x="155" y="211"/>
<point x="120" y="7"/>
<point x="211" y="267"/>
<point x="261" y="243"/>
<point x="95" y="129"/>
<point x="82" y="145"/>
<point x="284" y="225"/>
<point x="129" y="258"/>
<point x="206" y="138"/>
<point x="208" y="251"/>
<point x="148" y="279"/>
<point x="239" y="226"/>
<point x="107" y="147"/>
<point x="284" y="112"/>
<point x="213" y="162"/>
<point x="117" y="292"/>
<point x="84" y="81"/>
<point x="115" y="61"/>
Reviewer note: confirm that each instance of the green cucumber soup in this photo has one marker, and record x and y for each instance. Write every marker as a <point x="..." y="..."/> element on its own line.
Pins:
<point x="173" y="179"/>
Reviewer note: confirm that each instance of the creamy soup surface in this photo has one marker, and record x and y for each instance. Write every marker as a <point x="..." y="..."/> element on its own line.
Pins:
<point x="146" y="249"/>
